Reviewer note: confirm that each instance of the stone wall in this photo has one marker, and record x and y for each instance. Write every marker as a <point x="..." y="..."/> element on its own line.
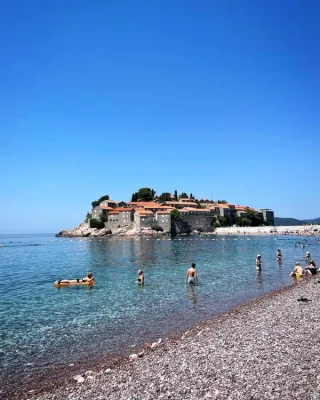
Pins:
<point x="204" y="222"/>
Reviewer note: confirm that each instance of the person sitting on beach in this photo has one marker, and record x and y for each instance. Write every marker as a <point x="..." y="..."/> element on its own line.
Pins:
<point x="279" y="254"/>
<point x="308" y="256"/>
<point x="140" y="278"/>
<point x="311" y="268"/>
<point x="192" y="276"/>
<point x="298" y="271"/>
<point x="259" y="262"/>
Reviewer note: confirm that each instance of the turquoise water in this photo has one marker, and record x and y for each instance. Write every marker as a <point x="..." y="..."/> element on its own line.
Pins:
<point x="42" y="326"/>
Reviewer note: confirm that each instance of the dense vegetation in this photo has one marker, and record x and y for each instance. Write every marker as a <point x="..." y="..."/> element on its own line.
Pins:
<point x="96" y="223"/>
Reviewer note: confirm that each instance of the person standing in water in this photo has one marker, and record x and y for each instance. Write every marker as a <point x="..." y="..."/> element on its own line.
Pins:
<point x="192" y="276"/>
<point x="140" y="278"/>
<point x="308" y="256"/>
<point x="279" y="255"/>
<point x="259" y="262"/>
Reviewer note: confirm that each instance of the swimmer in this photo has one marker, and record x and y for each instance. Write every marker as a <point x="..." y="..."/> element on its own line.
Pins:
<point x="279" y="254"/>
<point x="140" y="278"/>
<point x="308" y="256"/>
<point x="297" y="271"/>
<point x="259" y="262"/>
<point x="192" y="276"/>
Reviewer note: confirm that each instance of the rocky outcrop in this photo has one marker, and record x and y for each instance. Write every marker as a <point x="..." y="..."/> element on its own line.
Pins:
<point x="179" y="227"/>
<point x="84" y="230"/>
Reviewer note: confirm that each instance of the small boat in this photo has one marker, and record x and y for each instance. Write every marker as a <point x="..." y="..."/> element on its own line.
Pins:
<point x="72" y="282"/>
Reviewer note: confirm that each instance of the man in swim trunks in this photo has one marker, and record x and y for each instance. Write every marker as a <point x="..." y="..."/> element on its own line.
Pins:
<point x="192" y="276"/>
<point x="297" y="271"/>
<point x="140" y="278"/>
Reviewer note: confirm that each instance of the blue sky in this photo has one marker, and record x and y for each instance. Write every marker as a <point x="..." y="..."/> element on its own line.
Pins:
<point x="216" y="98"/>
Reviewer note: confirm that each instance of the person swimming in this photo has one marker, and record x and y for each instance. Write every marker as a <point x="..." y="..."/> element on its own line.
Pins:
<point x="192" y="276"/>
<point x="297" y="271"/>
<point x="140" y="278"/>
<point x="259" y="262"/>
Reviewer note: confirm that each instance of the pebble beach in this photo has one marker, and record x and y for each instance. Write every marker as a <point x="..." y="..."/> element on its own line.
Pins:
<point x="265" y="349"/>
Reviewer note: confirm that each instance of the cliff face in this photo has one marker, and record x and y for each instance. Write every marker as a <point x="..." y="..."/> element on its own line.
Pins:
<point x="178" y="227"/>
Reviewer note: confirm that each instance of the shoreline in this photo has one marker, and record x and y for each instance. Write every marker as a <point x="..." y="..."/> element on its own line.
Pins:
<point x="64" y="382"/>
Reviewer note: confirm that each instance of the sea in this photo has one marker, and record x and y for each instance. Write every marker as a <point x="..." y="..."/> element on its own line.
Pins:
<point x="44" y="328"/>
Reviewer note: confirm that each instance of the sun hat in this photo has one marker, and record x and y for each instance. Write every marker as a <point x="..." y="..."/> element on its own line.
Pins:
<point x="258" y="255"/>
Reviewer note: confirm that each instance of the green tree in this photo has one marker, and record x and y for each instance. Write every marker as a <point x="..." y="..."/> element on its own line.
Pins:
<point x="254" y="218"/>
<point x="183" y="195"/>
<point x="134" y="197"/>
<point x="95" y="203"/>
<point x="165" y="196"/>
<point x="191" y="196"/>
<point x="88" y="216"/>
<point x="96" y="223"/>
<point x="222" y="201"/>
<point x="145" y="194"/>
<point x="176" y="195"/>
<point x="175" y="215"/>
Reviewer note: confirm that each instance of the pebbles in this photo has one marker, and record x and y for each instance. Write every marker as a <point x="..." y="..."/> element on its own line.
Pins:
<point x="268" y="349"/>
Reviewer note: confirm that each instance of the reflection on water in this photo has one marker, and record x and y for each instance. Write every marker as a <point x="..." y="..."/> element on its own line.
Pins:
<point x="39" y="322"/>
<point x="192" y="294"/>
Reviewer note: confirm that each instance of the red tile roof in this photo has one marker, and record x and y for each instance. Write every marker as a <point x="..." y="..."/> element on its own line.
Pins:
<point x="106" y="208"/>
<point x="142" y="211"/>
<point x="163" y="212"/>
<point x="207" y="210"/>
<point x="113" y="213"/>
<point x="123" y="209"/>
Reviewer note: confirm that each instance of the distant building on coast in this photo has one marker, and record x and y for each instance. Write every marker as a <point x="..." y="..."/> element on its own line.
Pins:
<point x="197" y="215"/>
<point x="268" y="215"/>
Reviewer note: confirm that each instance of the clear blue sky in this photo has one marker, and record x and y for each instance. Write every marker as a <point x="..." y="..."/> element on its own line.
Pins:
<point x="105" y="97"/>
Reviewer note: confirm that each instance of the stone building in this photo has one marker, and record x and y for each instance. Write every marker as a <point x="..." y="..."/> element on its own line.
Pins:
<point x="198" y="218"/>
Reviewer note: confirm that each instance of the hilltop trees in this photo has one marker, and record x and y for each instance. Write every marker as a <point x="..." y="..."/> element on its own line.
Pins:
<point x="183" y="195"/>
<point x="176" y="195"/>
<point x="165" y="196"/>
<point x="143" y="194"/>
<point x="95" y="203"/>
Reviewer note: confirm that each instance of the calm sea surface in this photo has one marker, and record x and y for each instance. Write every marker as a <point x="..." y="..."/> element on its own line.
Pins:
<point x="43" y="326"/>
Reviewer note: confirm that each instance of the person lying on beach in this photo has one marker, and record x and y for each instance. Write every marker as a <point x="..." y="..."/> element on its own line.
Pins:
<point x="259" y="262"/>
<point x="311" y="268"/>
<point x="298" y="271"/>
<point x="279" y="255"/>
<point x="192" y="276"/>
<point x="140" y="280"/>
